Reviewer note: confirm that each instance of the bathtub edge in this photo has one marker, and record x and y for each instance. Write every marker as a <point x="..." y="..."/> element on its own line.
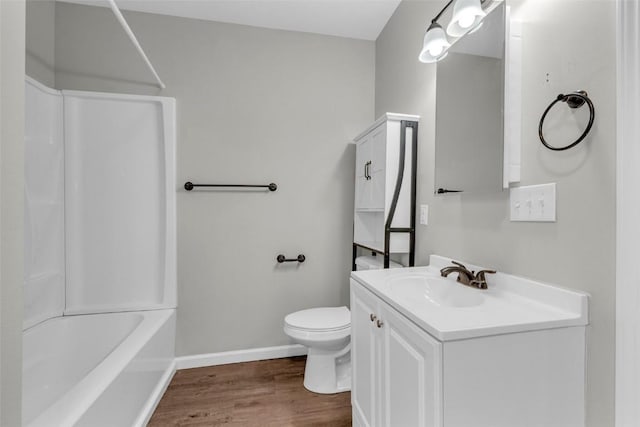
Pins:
<point x="153" y="401"/>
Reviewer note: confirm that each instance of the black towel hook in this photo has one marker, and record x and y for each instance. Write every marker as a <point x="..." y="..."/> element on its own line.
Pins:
<point x="574" y="100"/>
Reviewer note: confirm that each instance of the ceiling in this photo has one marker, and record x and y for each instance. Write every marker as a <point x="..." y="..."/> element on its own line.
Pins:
<point x="359" y="19"/>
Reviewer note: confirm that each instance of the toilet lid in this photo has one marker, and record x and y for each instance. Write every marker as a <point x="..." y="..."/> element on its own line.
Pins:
<point x="320" y="319"/>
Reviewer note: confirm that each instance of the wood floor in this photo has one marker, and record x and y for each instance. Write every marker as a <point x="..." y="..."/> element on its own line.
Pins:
<point x="264" y="393"/>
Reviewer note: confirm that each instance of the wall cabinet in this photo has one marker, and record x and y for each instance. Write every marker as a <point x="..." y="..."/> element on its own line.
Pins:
<point x="381" y="150"/>
<point x="397" y="367"/>
<point x="370" y="170"/>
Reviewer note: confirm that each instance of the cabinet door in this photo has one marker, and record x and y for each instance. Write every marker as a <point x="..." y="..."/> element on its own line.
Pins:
<point x="363" y="186"/>
<point x="411" y="391"/>
<point x="363" y="193"/>
<point x="365" y="348"/>
<point x="378" y="138"/>
<point x="378" y="149"/>
<point x="377" y="191"/>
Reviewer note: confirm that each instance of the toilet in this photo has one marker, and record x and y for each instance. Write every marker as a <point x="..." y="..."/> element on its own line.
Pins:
<point x="326" y="332"/>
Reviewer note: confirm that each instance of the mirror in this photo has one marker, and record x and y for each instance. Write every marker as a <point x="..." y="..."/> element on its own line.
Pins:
<point x="469" y="110"/>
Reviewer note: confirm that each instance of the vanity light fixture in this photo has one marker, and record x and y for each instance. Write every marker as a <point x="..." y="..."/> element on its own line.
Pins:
<point x="467" y="17"/>
<point x="435" y="45"/>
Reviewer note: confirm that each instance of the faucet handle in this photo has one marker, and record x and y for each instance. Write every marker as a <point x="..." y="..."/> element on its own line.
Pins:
<point x="480" y="274"/>
<point x="480" y="279"/>
<point x="459" y="264"/>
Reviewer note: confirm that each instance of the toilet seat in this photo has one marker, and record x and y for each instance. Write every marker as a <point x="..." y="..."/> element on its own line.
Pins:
<point x="323" y="319"/>
<point x="307" y="337"/>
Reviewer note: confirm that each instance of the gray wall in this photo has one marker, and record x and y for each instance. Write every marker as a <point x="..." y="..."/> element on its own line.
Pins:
<point x="578" y="250"/>
<point x="40" y="39"/>
<point x="254" y="106"/>
<point x="12" y="48"/>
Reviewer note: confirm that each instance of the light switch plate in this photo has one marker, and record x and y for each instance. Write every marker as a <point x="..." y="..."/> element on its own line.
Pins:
<point x="533" y="203"/>
<point x="424" y="214"/>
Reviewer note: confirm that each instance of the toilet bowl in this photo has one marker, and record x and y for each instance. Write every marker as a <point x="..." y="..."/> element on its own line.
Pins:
<point x="326" y="332"/>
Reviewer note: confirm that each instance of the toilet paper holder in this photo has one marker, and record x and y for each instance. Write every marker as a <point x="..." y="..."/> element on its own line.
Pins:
<point x="281" y="258"/>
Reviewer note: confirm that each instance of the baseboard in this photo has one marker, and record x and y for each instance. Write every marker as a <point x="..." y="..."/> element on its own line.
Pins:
<point x="156" y="395"/>
<point x="249" y="355"/>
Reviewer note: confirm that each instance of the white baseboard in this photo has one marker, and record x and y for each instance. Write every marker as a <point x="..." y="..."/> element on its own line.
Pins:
<point x="249" y="355"/>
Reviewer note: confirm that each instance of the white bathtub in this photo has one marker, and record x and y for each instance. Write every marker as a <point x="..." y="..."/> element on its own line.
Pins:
<point x="97" y="370"/>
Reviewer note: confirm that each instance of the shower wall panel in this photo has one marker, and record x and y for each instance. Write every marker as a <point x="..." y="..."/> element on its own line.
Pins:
<point x="120" y="202"/>
<point x="100" y="211"/>
<point x="44" y="275"/>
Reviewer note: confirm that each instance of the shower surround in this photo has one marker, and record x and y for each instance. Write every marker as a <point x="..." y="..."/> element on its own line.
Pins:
<point x="100" y="256"/>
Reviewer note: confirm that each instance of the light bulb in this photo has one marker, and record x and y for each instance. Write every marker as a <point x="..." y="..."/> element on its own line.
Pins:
<point x="435" y="50"/>
<point x="467" y="14"/>
<point x="466" y="21"/>
<point x="435" y="44"/>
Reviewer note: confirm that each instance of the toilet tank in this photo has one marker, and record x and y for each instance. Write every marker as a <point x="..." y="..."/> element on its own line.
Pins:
<point x="373" y="263"/>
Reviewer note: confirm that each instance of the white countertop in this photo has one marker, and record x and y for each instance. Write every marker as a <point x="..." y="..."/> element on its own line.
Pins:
<point x="511" y="304"/>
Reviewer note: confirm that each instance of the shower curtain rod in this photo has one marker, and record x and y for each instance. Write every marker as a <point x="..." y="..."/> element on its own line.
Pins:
<point x="134" y="40"/>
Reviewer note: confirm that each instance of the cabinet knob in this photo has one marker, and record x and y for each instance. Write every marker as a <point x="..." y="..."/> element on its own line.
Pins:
<point x="379" y="323"/>
<point x="373" y="317"/>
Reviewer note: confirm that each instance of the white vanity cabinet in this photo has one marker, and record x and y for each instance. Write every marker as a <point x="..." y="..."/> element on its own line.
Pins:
<point x="366" y="343"/>
<point x="378" y="151"/>
<point x="428" y="351"/>
<point x="397" y="367"/>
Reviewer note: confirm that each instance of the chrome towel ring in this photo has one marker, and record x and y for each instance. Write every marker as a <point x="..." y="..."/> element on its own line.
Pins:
<point x="574" y="100"/>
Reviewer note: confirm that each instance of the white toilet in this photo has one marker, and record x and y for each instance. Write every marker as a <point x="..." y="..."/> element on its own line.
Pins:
<point x="326" y="332"/>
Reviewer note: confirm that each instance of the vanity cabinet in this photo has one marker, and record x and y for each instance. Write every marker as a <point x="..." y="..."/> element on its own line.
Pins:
<point x="366" y="342"/>
<point x="397" y="367"/>
<point x="402" y="375"/>
<point x="379" y="151"/>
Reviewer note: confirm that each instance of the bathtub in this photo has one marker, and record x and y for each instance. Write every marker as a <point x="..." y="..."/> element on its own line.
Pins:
<point x="97" y="370"/>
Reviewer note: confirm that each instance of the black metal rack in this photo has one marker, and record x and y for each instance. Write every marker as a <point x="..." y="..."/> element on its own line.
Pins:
<point x="388" y="229"/>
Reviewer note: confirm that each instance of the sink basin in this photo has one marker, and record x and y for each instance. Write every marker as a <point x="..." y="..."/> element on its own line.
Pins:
<point x="419" y="288"/>
<point x="452" y="311"/>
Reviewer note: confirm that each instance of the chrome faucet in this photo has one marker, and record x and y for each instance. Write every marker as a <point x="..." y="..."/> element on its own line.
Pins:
<point x="467" y="277"/>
